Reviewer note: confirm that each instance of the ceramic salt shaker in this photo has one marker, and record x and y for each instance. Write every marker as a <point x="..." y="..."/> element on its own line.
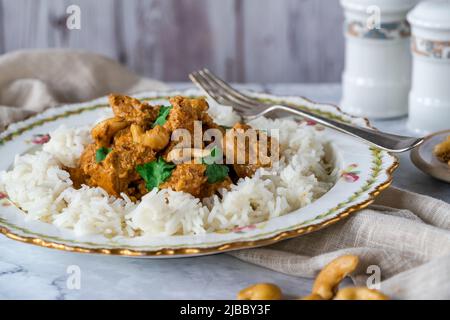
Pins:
<point x="429" y="99"/>
<point x="377" y="76"/>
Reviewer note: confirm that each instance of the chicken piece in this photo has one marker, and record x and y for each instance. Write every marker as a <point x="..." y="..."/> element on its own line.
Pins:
<point x="211" y="188"/>
<point x="184" y="112"/>
<point x="77" y="176"/>
<point x="191" y="178"/>
<point x="442" y="151"/>
<point x="87" y="160"/>
<point x="187" y="177"/>
<point x="101" y="174"/>
<point x="242" y="149"/>
<point x="128" y="156"/>
<point x="208" y="123"/>
<point x="117" y="172"/>
<point x="133" y="110"/>
<point x="131" y="154"/>
<point x="104" y="132"/>
<point x="200" y="107"/>
<point x="245" y="170"/>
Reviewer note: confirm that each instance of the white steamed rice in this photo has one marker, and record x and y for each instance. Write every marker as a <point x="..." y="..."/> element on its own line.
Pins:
<point x="40" y="186"/>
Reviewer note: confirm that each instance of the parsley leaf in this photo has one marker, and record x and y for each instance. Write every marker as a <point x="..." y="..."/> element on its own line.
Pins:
<point x="214" y="157"/>
<point x="216" y="172"/>
<point x="213" y="152"/>
<point x="162" y="116"/>
<point x="101" y="154"/>
<point x="156" y="172"/>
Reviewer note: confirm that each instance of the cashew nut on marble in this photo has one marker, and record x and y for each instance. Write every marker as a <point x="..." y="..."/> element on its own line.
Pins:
<point x="324" y="287"/>
<point x="332" y="274"/>
<point x="359" y="293"/>
<point x="260" y="291"/>
<point x="312" y="296"/>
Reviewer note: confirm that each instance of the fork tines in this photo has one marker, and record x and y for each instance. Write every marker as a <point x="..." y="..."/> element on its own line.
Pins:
<point x="218" y="90"/>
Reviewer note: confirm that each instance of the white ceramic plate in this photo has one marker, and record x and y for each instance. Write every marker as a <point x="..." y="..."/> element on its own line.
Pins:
<point x="364" y="172"/>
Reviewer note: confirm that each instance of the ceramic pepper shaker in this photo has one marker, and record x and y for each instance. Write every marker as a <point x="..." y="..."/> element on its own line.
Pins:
<point x="429" y="99"/>
<point x="377" y="76"/>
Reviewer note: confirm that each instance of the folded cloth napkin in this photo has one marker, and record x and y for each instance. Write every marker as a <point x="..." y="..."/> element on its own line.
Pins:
<point x="406" y="236"/>
<point x="31" y="81"/>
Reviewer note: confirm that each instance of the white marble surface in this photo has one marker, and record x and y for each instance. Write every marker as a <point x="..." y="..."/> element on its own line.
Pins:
<point x="31" y="272"/>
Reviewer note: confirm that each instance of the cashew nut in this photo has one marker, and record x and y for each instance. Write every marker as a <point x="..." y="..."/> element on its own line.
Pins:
<point x="156" y="138"/>
<point x="442" y="150"/>
<point x="312" y="296"/>
<point x="324" y="287"/>
<point x="332" y="274"/>
<point x="260" y="291"/>
<point x="360" y="293"/>
<point x="180" y="155"/>
<point x="103" y="132"/>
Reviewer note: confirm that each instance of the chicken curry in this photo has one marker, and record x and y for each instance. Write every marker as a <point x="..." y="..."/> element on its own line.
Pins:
<point x="135" y="151"/>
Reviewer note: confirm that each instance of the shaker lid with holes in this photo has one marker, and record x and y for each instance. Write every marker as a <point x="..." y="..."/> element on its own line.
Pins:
<point x="388" y="6"/>
<point x="433" y="14"/>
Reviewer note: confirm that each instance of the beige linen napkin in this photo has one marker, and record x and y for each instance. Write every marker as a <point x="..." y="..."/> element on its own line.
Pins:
<point x="31" y="81"/>
<point x="405" y="235"/>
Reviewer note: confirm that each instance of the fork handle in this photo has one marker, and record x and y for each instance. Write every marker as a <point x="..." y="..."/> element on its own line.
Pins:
<point x="386" y="141"/>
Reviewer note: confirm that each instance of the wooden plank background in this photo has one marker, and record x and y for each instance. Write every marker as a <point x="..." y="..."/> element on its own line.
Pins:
<point x="243" y="40"/>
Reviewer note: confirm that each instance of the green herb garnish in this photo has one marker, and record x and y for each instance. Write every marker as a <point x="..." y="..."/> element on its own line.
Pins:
<point x="156" y="172"/>
<point x="214" y="171"/>
<point x="215" y="155"/>
<point x="101" y="154"/>
<point x="162" y="116"/>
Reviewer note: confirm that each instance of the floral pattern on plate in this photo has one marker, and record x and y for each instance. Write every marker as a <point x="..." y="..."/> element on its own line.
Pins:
<point x="39" y="139"/>
<point x="350" y="174"/>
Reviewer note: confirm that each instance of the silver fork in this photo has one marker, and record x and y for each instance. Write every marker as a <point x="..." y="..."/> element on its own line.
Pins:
<point x="250" y="108"/>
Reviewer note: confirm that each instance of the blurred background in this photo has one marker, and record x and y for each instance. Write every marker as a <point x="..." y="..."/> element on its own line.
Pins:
<point x="242" y="40"/>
